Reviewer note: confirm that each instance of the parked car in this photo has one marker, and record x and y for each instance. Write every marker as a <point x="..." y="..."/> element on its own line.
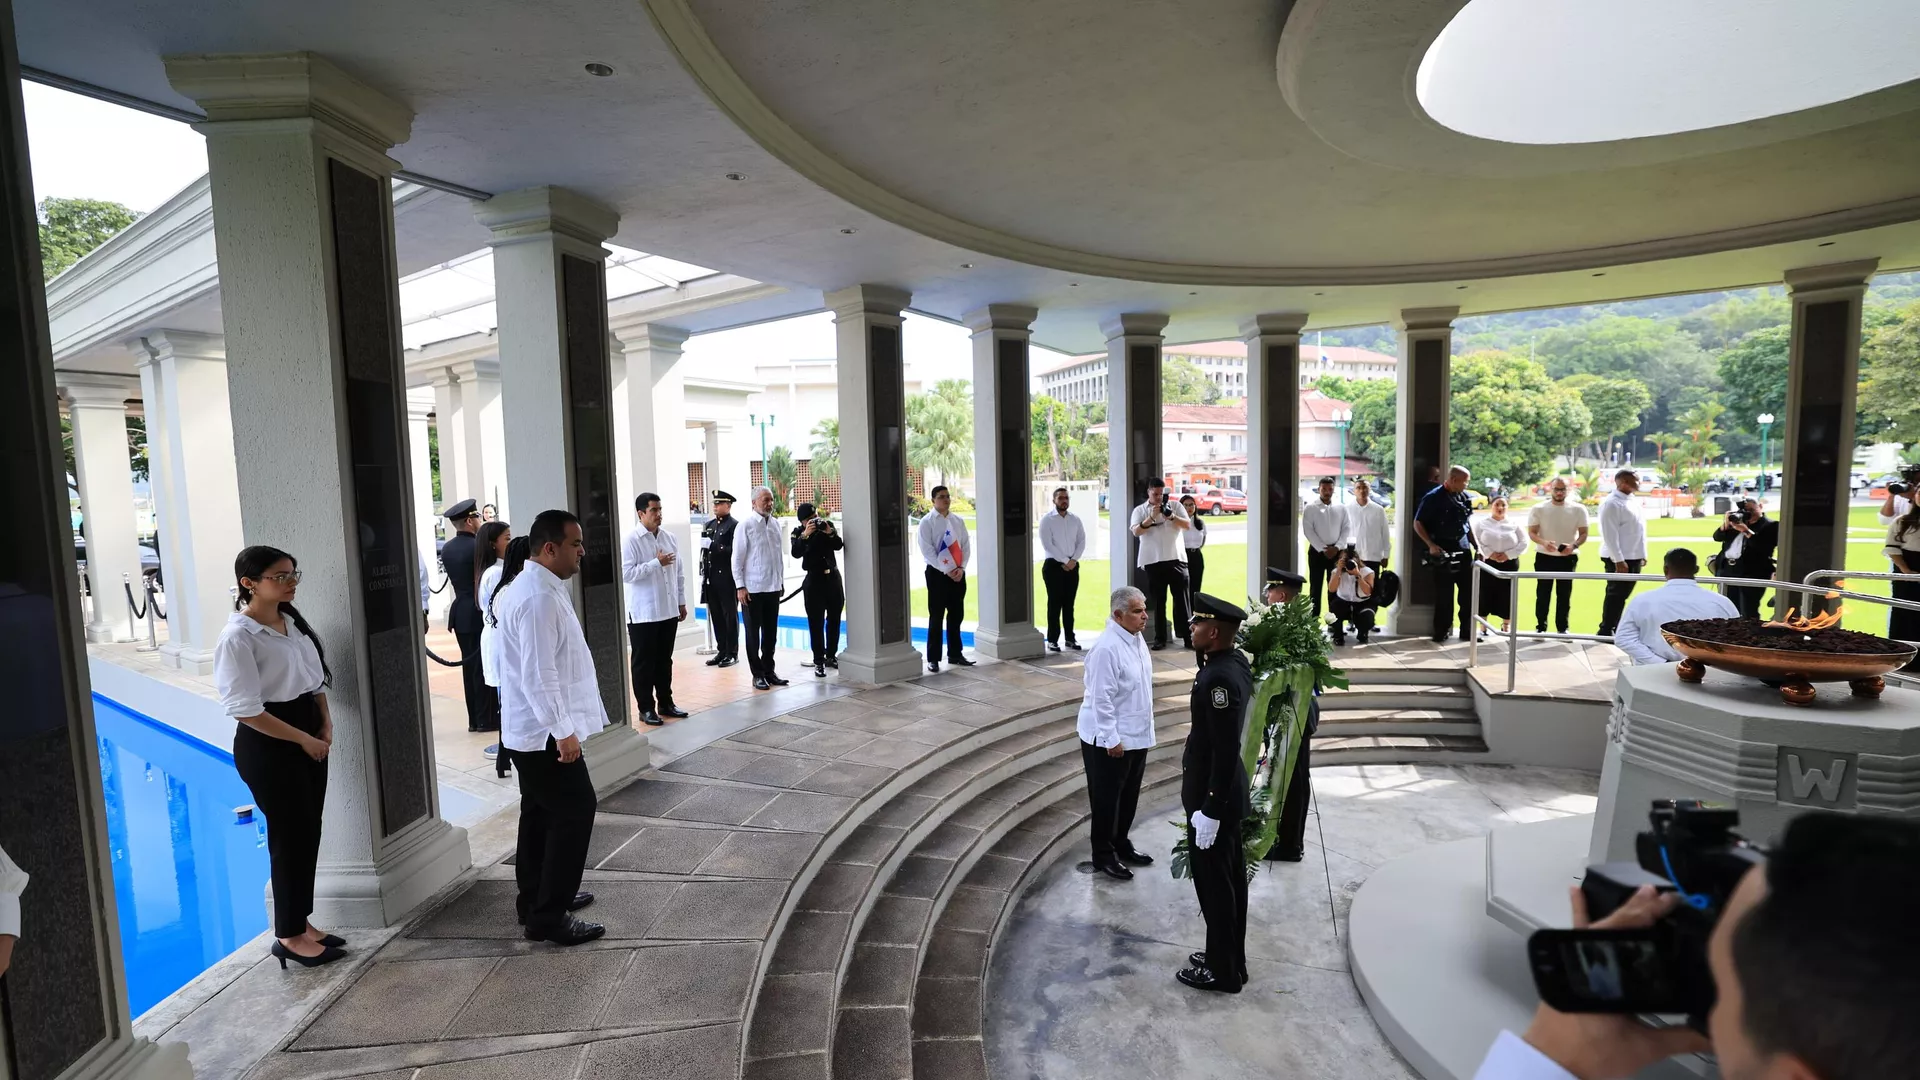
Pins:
<point x="149" y="562"/>
<point x="1215" y="501"/>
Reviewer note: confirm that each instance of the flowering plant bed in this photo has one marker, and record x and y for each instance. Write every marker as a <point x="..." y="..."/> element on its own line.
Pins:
<point x="1792" y="654"/>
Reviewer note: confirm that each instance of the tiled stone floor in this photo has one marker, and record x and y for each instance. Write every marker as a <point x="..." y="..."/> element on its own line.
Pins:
<point x="1082" y="986"/>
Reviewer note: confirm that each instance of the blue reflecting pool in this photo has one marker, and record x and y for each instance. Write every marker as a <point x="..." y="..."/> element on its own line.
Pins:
<point x="793" y="633"/>
<point x="188" y="877"/>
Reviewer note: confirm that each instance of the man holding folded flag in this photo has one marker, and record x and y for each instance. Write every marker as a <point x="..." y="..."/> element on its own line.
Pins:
<point x="946" y="548"/>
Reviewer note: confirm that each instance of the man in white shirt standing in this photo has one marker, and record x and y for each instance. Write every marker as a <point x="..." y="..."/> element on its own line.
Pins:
<point x="1623" y="545"/>
<point x="947" y="548"/>
<point x="656" y="605"/>
<point x="13" y="882"/>
<point x="549" y="705"/>
<point x="1557" y="528"/>
<point x="1680" y="598"/>
<point x="1158" y="522"/>
<point x="1063" y="539"/>
<point x="1325" y="527"/>
<point x="1367" y="531"/>
<point x="1116" y="731"/>
<point x="759" y="574"/>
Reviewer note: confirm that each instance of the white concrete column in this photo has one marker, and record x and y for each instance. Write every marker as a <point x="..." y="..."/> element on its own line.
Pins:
<point x="656" y="406"/>
<point x="166" y="511"/>
<point x="450" y="421"/>
<point x="486" y="450"/>
<point x="193" y="375"/>
<point x="303" y="220"/>
<point x="1424" y="410"/>
<point x="1133" y="430"/>
<point x="729" y="460"/>
<point x="103" y="469"/>
<point x="420" y="457"/>
<point x="1273" y="444"/>
<point x="873" y="483"/>
<point x="549" y="274"/>
<point x="1003" y="482"/>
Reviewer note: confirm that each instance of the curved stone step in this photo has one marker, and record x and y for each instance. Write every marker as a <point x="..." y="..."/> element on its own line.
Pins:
<point x="1394" y="749"/>
<point x="1349" y="722"/>
<point x="1404" y="694"/>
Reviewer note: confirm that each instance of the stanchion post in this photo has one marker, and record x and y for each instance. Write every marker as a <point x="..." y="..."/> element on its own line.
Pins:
<point x="126" y="582"/>
<point x="710" y="639"/>
<point x="1472" y="621"/>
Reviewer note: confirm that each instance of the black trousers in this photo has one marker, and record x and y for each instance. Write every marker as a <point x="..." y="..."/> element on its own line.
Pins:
<point x="1163" y="578"/>
<point x="1358" y="612"/>
<point x="1220" y="881"/>
<point x="723" y="611"/>
<point x="1545" y="596"/>
<point x="1113" y="790"/>
<point x="1290" y="836"/>
<point x="1617" y="593"/>
<point x="1063" y="585"/>
<point x="483" y="701"/>
<point x="556" y="824"/>
<point x="1318" y="569"/>
<point x="650" y="648"/>
<point x="1196" y="574"/>
<point x="1748" y="600"/>
<point x="1449" y="578"/>
<point x="290" y="790"/>
<point x="825" y="596"/>
<point x="1903" y="624"/>
<point x="763" y="631"/>
<point x="946" y="602"/>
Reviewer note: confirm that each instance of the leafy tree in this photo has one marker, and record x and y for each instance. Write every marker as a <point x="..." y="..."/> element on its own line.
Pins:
<point x="1183" y="383"/>
<point x="1754" y="376"/>
<point x="940" y="428"/>
<point x="136" y="446"/>
<point x="823" y="457"/>
<point x="1086" y="458"/>
<point x="1614" y="404"/>
<point x="1509" y="420"/>
<point x="1890" y="376"/>
<point x="1376" y="414"/>
<point x="70" y="228"/>
<point x="1719" y="325"/>
<point x="1051" y="420"/>
<point x="781" y="475"/>
<point x="1656" y="352"/>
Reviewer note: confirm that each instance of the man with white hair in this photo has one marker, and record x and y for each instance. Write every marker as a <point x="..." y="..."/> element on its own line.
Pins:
<point x="1116" y="730"/>
<point x="759" y="573"/>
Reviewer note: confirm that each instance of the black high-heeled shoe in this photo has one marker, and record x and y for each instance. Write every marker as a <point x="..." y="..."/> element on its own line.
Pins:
<point x="333" y="941"/>
<point x="284" y="954"/>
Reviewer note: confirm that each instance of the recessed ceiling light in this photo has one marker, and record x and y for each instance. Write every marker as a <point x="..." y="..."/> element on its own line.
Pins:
<point x="1459" y="286"/>
<point x="848" y="231"/>
<point x="736" y="176"/>
<point x="1602" y="273"/>
<point x="1073" y="284"/>
<point x="1193" y="294"/>
<point x="1319" y="294"/>
<point x="599" y="70"/>
<point x="966" y="266"/>
<point x="1826" y="243"/>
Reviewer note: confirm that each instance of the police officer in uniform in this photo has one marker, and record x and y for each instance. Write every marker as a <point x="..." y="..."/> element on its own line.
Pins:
<point x="814" y="542"/>
<point x="1213" y="791"/>
<point x="463" y="615"/>
<point x="1441" y="524"/>
<point x="716" y="581"/>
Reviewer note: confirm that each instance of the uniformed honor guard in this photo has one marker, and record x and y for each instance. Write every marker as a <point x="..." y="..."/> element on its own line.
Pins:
<point x="1290" y="837"/>
<point x="716" y="582"/>
<point x="1213" y="791"/>
<point x="463" y="616"/>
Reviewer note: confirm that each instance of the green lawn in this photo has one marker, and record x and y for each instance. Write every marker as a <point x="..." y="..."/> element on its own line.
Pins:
<point x="1227" y="574"/>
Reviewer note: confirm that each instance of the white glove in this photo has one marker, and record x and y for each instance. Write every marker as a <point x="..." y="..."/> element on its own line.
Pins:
<point x="706" y="542"/>
<point x="1205" y="831"/>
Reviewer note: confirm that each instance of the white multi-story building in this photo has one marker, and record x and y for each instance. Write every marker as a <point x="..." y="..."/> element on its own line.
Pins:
<point x="1211" y="440"/>
<point x="1081" y="379"/>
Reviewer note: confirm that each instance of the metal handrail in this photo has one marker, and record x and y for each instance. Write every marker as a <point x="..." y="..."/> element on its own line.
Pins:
<point x="1513" y="632"/>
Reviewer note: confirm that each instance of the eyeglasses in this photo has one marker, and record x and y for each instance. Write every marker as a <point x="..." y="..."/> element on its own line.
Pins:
<point x="290" y="577"/>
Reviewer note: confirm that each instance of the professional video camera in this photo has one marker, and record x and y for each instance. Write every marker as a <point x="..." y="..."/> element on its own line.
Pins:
<point x="1909" y="479"/>
<point x="1662" y="969"/>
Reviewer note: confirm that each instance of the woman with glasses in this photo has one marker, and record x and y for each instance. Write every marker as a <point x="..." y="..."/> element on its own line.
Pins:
<point x="489" y="563"/>
<point x="272" y="677"/>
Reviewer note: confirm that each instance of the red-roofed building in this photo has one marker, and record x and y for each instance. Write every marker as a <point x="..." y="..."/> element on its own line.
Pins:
<point x="1211" y="440"/>
<point x="1080" y="379"/>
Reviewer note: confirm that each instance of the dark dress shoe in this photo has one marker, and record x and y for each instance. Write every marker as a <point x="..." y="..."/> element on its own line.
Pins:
<point x="959" y="661"/>
<point x="1339" y="639"/>
<point x="328" y="954"/>
<point x="728" y="661"/>
<point x="1113" y="869"/>
<point x="580" y="900"/>
<point x="759" y="684"/>
<point x="1072" y="644"/>
<point x="1051" y="647"/>
<point x="572" y="932"/>
<point x="833" y="662"/>
<point x="333" y="942"/>
<point x="675" y="711"/>
<point x="1199" y="960"/>
<point x="775" y="680"/>
<point x="715" y="662"/>
<point x="820" y="670"/>
<point x="933" y="666"/>
<point x="1203" y="978"/>
<point x="1136" y="858"/>
<point x="1157" y="646"/>
<point x="651" y="718"/>
<point x="1439" y="639"/>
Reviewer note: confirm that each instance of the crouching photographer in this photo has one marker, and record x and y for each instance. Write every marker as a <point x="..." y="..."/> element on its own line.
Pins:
<point x="1812" y="962"/>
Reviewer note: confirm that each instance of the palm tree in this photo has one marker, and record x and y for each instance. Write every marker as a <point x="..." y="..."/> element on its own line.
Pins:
<point x="940" y="428"/>
<point x="781" y="474"/>
<point x="824" y="455"/>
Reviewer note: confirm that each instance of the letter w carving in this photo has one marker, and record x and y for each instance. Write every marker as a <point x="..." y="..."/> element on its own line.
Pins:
<point x="1804" y="780"/>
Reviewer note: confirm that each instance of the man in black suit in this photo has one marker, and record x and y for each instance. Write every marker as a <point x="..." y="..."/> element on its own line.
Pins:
<point x="1213" y="791"/>
<point x="1747" y="541"/>
<point x="463" y="615"/>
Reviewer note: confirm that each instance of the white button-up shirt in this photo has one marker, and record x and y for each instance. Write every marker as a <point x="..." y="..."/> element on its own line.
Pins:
<point x="937" y="531"/>
<point x="655" y="593"/>
<point x="1367" y="531"/>
<point x="254" y="664"/>
<point x="13" y="882"/>
<point x="1062" y="536"/>
<point x="1499" y="537"/>
<point x="1195" y="538"/>
<point x="1638" y="634"/>
<point x="1162" y="543"/>
<point x="1118" y="706"/>
<point x="759" y="554"/>
<point x="548" y="686"/>
<point x="1513" y="1058"/>
<point x="489" y="634"/>
<point x="1623" y="536"/>
<point x="1324" y="524"/>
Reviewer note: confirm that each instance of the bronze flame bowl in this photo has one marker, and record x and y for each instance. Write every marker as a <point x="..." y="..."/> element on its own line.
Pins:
<point x="1793" y="672"/>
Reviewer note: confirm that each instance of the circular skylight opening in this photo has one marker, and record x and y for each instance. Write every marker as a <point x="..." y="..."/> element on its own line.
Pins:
<point x="1580" y="71"/>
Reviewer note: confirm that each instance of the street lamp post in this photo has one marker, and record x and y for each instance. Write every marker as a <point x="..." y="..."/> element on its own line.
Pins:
<point x="763" y="425"/>
<point x="1342" y="420"/>
<point x="1766" y="476"/>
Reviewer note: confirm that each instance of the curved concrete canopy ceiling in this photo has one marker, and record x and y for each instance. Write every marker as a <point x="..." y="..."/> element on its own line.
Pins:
<point x="1139" y="142"/>
<point x="1575" y="71"/>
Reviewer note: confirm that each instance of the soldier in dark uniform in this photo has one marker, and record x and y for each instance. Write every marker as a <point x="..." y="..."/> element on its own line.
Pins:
<point x="1441" y="523"/>
<point x="814" y="542"/>
<point x="1213" y="791"/>
<point x="463" y="616"/>
<point x="716" y="581"/>
<point x="1290" y="837"/>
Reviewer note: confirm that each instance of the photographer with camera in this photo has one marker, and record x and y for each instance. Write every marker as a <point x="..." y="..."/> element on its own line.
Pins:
<point x="1747" y="540"/>
<point x="1900" y="495"/>
<point x="1162" y="553"/>
<point x="1352" y="599"/>
<point x="1813" y="966"/>
<point x="814" y="542"/>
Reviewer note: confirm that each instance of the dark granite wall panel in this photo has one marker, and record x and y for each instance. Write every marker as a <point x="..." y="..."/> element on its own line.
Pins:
<point x="887" y="412"/>
<point x="1278" y="445"/>
<point x="377" y="454"/>
<point x="1823" y="437"/>
<point x="589" y="399"/>
<point x="1014" y="423"/>
<point x="1426" y="422"/>
<point x="1143" y="443"/>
